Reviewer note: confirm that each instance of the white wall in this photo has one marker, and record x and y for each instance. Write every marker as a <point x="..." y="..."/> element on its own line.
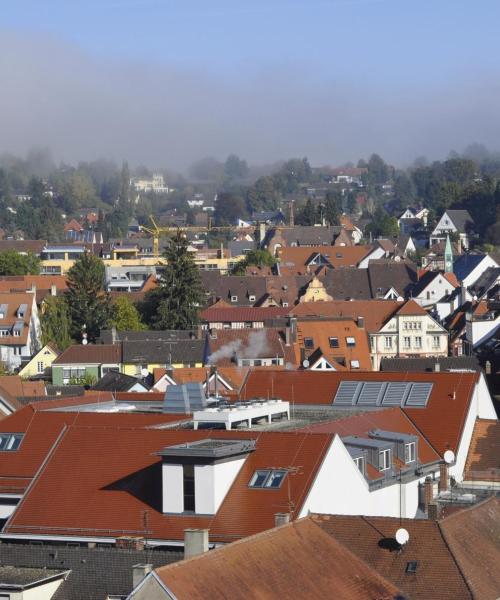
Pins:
<point x="212" y="482"/>
<point x="172" y="488"/>
<point x="378" y="252"/>
<point x="476" y="273"/>
<point x="339" y="488"/>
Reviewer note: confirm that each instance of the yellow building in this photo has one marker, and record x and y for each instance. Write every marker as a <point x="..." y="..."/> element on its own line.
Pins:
<point x="40" y="362"/>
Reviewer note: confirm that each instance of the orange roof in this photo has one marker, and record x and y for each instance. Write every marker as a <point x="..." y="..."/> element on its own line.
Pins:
<point x="483" y="460"/>
<point x="234" y="375"/>
<point x="18" y="387"/>
<point x="321" y="332"/>
<point x="294" y="259"/>
<point x="451" y="278"/>
<point x="275" y="564"/>
<point x="73" y="225"/>
<point x="388" y="419"/>
<point x="375" y="312"/>
<point x="16" y="283"/>
<point x="441" y="421"/>
<point x="107" y="478"/>
<point x="12" y="302"/>
<point x="411" y="308"/>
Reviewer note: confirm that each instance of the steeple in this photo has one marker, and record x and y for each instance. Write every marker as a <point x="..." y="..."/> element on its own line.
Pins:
<point x="448" y="256"/>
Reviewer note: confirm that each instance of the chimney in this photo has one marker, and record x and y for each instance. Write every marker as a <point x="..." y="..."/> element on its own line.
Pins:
<point x="433" y="511"/>
<point x="293" y="329"/>
<point x="443" y="477"/>
<point x="139" y="572"/>
<point x="33" y="288"/>
<point x="130" y="543"/>
<point x="428" y="492"/>
<point x="487" y="367"/>
<point x="195" y="542"/>
<point x="437" y="367"/>
<point x="113" y="335"/>
<point x="281" y="519"/>
<point x="53" y="290"/>
<point x="287" y="336"/>
<point x="361" y="322"/>
<point x="262" y="233"/>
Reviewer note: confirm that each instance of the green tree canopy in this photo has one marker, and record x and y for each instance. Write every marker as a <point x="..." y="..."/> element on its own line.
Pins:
<point x="55" y="322"/>
<point x="257" y="258"/>
<point x="13" y="263"/>
<point x="228" y="208"/>
<point x="177" y="300"/>
<point x="382" y="225"/>
<point x="89" y="306"/>
<point x="126" y="316"/>
<point x="235" y="167"/>
<point x="307" y="215"/>
<point x="332" y="210"/>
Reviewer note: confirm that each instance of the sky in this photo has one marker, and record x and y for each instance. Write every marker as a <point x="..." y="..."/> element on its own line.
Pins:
<point x="166" y="82"/>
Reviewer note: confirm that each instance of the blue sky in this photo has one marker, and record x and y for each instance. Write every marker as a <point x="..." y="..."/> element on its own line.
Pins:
<point x="384" y="55"/>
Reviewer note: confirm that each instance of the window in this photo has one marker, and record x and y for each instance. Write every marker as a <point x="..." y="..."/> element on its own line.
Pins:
<point x="188" y="480"/>
<point x="436" y="341"/>
<point x="350" y="341"/>
<point x="388" y="342"/>
<point x="73" y="373"/>
<point x="308" y="342"/>
<point x="10" y="442"/>
<point x="410" y="452"/>
<point x="334" y="342"/>
<point x="17" y="333"/>
<point x="284" y="304"/>
<point x="354" y="364"/>
<point x="360" y="463"/>
<point x="406" y="342"/>
<point x="40" y="366"/>
<point x="234" y="298"/>
<point x="384" y="460"/>
<point x="418" y="342"/>
<point x="267" y="479"/>
<point x="411" y="567"/>
<point x="251" y="298"/>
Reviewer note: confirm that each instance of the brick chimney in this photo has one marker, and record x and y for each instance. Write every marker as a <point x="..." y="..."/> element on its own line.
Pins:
<point x="428" y="492"/>
<point x="139" y="572"/>
<point x="433" y="511"/>
<point x="195" y="542"/>
<point x="130" y="543"/>
<point x="443" y="477"/>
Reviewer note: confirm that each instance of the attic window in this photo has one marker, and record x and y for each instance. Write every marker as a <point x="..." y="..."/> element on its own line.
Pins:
<point x="234" y="298"/>
<point x="10" y="442"/>
<point x="410" y="453"/>
<point x="354" y="364"/>
<point x="271" y="479"/>
<point x="251" y="298"/>
<point x="411" y="567"/>
<point x="309" y="343"/>
<point x="350" y="341"/>
<point x="334" y="342"/>
<point x="384" y="459"/>
<point x="360" y="463"/>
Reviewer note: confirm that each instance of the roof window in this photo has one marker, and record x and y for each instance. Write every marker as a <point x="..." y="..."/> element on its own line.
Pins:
<point x="334" y="342"/>
<point x="350" y="341"/>
<point x="271" y="479"/>
<point x="10" y="442"/>
<point x="411" y="567"/>
<point x="308" y="343"/>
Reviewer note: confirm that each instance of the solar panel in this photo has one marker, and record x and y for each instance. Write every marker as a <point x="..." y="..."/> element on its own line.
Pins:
<point x="395" y="393"/>
<point x="371" y="392"/>
<point x="347" y="393"/>
<point x="419" y="394"/>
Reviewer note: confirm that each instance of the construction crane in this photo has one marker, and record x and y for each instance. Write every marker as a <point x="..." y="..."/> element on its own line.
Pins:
<point x="156" y="231"/>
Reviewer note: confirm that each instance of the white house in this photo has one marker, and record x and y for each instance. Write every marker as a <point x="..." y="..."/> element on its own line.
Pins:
<point x="453" y="222"/>
<point x="20" y="331"/>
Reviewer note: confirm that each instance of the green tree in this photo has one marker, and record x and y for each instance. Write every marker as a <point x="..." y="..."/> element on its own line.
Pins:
<point x="257" y="258"/>
<point x="89" y="306"/>
<point x="126" y="316"/>
<point x="307" y="216"/>
<point x="333" y="202"/>
<point x="228" y="208"/>
<point x="177" y="300"/>
<point x="382" y="225"/>
<point x="235" y="167"/>
<point x="13" y="263"/>
<point x="262" y="195"/>
<point x="124" y="193"/>
<point x="55" y="322"/>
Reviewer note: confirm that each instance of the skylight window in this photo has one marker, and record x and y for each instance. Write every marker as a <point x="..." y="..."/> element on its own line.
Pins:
<point x="10" y="442"/>
<point x="271" y="479"/>
<point x="350" y="341"/>
<point x="308" y="343"/>
<point x="334" y="342"/>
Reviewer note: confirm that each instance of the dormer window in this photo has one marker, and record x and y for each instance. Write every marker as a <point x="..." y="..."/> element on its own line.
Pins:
<point x="360" y="463"/>
<point x="410" y="452"/>
<point x="271" y="479"/>
<point x="10" y="442"/>
<point x="251" y="298"/>
<point x="234" y="298"/>
<point x="384" y="459"/>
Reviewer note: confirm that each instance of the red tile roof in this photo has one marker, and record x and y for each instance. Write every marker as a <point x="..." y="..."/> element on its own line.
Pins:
<point x="483" y="460"/>
<point x="276" y="564"/>
<point x="293" y="260"/>
<point x="108" y="477"/>
<point x="389" y="419"/>
<point x="441" y="421"/>
<point x="90" y="354"/>
<point x="18" y="387"/>
<point x="214" y="314"/>
<point x="411" y="308"/>
<point x="437" y="575"/>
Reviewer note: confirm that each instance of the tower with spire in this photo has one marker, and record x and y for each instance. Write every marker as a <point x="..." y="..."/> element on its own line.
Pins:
<point x="448" y="256"/>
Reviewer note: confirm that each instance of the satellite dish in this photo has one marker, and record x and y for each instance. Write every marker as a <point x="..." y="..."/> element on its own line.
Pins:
<point x="144" y="373"/>
<point x="305" y="364"/>
<point x="449" y="457"/>
<point x="402" y="536"/>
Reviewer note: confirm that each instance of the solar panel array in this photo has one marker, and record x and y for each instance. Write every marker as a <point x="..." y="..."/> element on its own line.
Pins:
<point x="383" y="393"/>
